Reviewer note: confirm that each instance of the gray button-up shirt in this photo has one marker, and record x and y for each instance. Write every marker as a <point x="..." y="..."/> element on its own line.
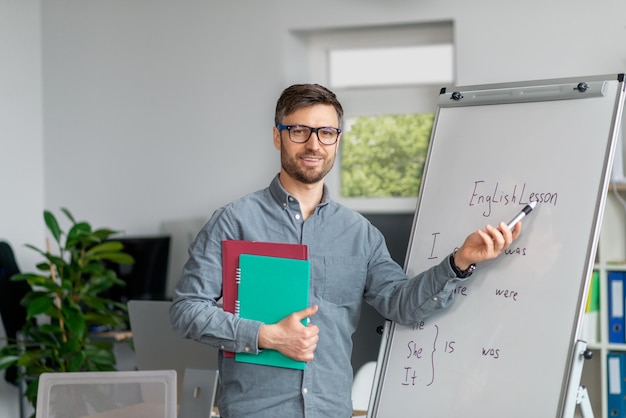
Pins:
<point x="349" y="263"/>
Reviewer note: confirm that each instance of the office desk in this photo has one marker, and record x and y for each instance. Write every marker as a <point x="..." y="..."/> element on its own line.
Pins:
<point x="112" y="336"/>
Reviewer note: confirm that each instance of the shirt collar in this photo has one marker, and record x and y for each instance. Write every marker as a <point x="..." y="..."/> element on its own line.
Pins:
<point x="282" y="196"/>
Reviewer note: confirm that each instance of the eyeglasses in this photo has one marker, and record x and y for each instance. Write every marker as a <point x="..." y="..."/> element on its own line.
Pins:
<point x="327" y="135"/>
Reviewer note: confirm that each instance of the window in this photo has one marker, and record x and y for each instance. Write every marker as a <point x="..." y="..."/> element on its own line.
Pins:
<point x="388" y="80"/>
<point x="390" y="66"/>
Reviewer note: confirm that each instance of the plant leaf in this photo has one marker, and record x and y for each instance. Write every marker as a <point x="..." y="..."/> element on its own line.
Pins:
<point x="7" y="361"/>
<point x="32" y="247"/>
<point x="106" y="247"/>
<point x="53" y="225"/>
<point x="79" y="233"/>
<point x="23" y="276"/>
<point x="50" y="328"/>
<point x="39" y="306"/>
<point x="118" y="258"/>
<point x="76" y="361"/>
<point x="75" y="321"/>
<point x="104" y="233"/>
<point x="103" y="357"/>
<point x="45" y="282"/>
<point x="68" y="214"/>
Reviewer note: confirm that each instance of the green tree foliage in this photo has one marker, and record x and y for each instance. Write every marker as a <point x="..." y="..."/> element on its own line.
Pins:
<point x="384" y="156"/>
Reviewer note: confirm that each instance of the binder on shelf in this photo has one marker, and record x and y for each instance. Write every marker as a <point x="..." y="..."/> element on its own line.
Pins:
<point x="270" y="289"/>
<point x="592" y="310"/>
<point x="232" y="249"/>
<point x="617" y="334"/>
<point x="616" y="366"/>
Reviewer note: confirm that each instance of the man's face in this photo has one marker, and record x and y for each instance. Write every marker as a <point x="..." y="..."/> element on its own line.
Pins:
<point x="309" y="162"/>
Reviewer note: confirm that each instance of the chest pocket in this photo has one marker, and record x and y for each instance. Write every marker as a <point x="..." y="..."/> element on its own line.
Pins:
<point x="344" y="279"/>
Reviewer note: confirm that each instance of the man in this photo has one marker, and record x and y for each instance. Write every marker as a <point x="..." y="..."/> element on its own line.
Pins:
<point x="349" y="263"/>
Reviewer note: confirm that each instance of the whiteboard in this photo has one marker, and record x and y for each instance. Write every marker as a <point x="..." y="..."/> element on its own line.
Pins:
<point x="505" y="346"/>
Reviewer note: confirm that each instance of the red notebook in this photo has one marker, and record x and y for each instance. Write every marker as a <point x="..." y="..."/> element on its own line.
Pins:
<point x="232" y="249"/>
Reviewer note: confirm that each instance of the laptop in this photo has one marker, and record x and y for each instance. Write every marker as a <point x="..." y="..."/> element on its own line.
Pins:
<point x="199" y="393"/>
<point x="158" y="347"/>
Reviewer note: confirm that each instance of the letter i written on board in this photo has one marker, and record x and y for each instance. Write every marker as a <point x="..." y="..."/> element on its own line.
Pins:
<point x="432" y="250"/>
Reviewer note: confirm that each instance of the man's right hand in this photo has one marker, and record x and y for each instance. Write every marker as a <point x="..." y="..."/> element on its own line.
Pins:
<point x="290" y="337"/>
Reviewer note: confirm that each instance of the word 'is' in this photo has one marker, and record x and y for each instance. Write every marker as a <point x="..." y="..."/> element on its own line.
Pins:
<point x="485" y="195"/>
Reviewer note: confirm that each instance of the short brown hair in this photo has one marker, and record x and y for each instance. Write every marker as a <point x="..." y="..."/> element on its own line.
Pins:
<point x="298" y="96"/>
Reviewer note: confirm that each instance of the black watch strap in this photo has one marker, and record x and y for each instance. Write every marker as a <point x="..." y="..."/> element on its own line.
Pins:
<point x="461" y="274"/>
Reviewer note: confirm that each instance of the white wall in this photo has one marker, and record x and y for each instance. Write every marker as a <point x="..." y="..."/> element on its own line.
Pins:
<point x="21" y="141"/>
<point x="157" y="109"/>
<point x="21" y="146"/>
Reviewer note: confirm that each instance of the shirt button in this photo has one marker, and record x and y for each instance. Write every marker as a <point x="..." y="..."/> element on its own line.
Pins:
<point x="290" y="199"/>
<point x="247" y="349"/>
<point x="222" y="347"/>
<point x="284" y="204"/>
<point x="297" y="216"/>
<point x="304" y="391"/>
<point x="435" y="298"/>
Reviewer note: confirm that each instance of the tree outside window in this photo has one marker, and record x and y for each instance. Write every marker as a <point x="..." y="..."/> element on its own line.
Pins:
<point x="384" y="156"/>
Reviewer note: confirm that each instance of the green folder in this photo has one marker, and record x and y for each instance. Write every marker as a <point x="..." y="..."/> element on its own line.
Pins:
<point x="270" y="289"/>
<point x="594" y="294"/>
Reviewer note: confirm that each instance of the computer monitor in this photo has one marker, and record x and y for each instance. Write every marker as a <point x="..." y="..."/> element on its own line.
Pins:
<point x="146" y="278"/>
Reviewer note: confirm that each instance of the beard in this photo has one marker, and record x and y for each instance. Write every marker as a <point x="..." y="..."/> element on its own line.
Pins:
<point x="306" y="175"/>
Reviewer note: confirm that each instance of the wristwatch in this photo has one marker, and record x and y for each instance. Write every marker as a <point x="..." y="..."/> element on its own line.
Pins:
<point x="461" y="274"/>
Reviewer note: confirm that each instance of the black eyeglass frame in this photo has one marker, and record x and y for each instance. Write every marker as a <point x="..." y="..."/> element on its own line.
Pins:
<point x="288" y="128"/>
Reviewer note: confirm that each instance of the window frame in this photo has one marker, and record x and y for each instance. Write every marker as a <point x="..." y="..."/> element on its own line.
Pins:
<point x="372" y="100"/>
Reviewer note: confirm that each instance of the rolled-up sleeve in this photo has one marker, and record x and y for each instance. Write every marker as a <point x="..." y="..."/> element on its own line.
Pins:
<point x="194" y="312"/>
<point x="406" y="300"/>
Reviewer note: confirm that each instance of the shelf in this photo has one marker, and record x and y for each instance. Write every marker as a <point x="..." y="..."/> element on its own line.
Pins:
<point x="611" y="251"/>
<point x="620" y="187"/>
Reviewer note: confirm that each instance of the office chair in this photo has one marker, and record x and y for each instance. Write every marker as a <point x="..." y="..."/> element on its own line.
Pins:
<point x="11" y="294"/>
<point x="136" y="394"/>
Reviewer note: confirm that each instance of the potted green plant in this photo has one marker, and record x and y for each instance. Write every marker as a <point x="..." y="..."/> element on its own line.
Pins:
<point x="65" y="302"/>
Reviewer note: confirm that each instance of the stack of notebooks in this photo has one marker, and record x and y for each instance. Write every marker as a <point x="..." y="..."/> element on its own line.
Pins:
<point x="265" y="281"/>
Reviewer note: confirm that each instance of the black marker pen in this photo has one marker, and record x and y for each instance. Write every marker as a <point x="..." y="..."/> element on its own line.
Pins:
<point x="527" y="209"/>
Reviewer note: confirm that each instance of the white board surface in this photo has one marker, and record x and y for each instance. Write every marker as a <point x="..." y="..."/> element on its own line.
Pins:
<point x="505" y="346"/>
